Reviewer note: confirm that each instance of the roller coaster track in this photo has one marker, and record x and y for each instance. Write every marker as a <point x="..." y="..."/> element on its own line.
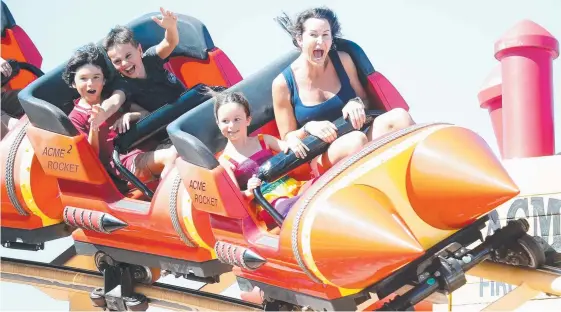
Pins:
<point x="75" y="279"/>
<point x="530" y="282"/>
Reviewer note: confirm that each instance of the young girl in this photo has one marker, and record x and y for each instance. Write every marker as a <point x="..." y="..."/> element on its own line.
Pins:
<point x="244" y="154"/>
<point x="86" y="72"/>
<point x="242" y="157"/>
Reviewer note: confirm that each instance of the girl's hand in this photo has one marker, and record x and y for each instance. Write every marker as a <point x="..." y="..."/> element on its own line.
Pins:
<point x="355" y="111"/>
<point x="253" y="183"/>
<point x="324" y="130"/>
<point x="297" y="146"/>
<point x="283" y="146"/>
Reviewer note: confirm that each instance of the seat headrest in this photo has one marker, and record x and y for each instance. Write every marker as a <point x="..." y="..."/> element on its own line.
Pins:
<point x="194" y="39"/>
<point x="7" y="18"/>
<point x="195" y="134"/>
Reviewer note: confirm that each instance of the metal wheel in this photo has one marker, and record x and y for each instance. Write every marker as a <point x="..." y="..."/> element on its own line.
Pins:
<point x="534" y="251"/>
<point x="97" y="298"/>
<point x="145" y="275"/>
<point x="136" y="303"/>
<point x="102" y="261"/>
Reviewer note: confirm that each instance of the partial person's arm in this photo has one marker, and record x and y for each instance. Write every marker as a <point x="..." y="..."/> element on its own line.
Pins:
<point x="81" y="124"/>
<point x="284" y="114"/>
<point x="171" y="37"/>
<point x="5" y="67"/>
<point x="93" y="139"/>
<point x="138" y="112"/>
<point x="352" y="72"/>
<point x="93" y="135"/>
<point x="228" y="168"/>
<point x="108" y="107"/>
<point x="275" y="144"/>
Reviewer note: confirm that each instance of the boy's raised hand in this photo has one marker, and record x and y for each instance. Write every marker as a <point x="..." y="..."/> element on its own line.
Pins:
<point x="168" y="20"/>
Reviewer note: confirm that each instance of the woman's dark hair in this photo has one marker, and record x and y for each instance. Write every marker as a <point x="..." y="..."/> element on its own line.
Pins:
<point x="88" y="54"/>
<point x="223" y="97"/>
<point x="296" y="28"/>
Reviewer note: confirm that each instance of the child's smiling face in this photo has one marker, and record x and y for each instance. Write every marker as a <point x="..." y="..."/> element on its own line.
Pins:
<point x="127" y="60"/>
<point x="233" y="121"/>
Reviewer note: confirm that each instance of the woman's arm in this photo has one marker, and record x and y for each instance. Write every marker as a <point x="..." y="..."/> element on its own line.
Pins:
<point x="352" y="72"/>
<point x="284" y="114"/>
<point x="275" y="144"/>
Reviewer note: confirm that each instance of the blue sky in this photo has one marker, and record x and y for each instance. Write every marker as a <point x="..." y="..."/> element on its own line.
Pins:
<point x="436" y="52"/>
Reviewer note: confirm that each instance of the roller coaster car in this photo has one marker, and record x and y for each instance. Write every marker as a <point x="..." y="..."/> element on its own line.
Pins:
<point x="55" y="183"/>
<point x="402" y="212"/>
<point x="24" y="58"/>
<point x="18" y="48"/>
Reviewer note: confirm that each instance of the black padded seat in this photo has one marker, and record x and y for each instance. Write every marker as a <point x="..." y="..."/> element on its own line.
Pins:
<point x="160" y="118"/>
<point x="48" y="100"/>
<point x="195" y="134"/>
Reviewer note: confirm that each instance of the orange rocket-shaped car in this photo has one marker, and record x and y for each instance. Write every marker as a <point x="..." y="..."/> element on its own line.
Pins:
<point x="402" y="211"/>
<point x="56" y="184"/>
<point x="22" y="223"/>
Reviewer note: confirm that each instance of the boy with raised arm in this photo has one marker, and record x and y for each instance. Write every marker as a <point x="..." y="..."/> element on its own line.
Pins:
<point x="144" y="80"/>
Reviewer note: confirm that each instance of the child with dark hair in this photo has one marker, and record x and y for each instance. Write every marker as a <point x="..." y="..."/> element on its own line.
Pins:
<point x="143" y="78"/>
<point x="86" y="71"/>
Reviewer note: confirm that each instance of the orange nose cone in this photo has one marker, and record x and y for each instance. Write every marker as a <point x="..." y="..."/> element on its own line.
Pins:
<point x="454" y="178"/>
<point x="355" y="238"/>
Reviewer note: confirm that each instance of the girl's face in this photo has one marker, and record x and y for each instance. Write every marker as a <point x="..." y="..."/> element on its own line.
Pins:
<point x="233" y="121"/>
<point x="316" y="40"/>
<point x="89" y="82"/>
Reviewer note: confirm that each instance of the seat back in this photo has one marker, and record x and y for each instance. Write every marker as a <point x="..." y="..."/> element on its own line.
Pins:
<point x="195" y="134"/>
<point x="16" y="45"/>
<point x="195" y="60"/>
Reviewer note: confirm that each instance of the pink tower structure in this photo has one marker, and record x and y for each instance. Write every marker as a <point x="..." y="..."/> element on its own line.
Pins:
<point x="491" y="98"/>
<point x="526" y="53"/>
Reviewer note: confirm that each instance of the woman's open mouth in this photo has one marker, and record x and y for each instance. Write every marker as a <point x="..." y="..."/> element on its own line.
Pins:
<point x="318" y="54"/>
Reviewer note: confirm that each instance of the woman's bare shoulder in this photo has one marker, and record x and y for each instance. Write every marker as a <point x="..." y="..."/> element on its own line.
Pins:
<point x="345" y="58"/>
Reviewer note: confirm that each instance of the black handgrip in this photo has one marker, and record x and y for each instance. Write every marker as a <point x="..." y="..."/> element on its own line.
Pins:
<point x="130" y="176"/>
<point x="17" y="67"/>
<point x="159" y="119"/>
<point x="31" y="68"/>
<point x="267" y="206"/>
<point x="282" y="163"/>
